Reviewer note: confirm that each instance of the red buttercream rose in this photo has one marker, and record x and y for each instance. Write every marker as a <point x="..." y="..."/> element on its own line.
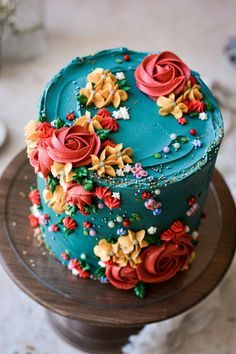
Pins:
<point x="34" y="197"/>
<point x="122" y="277"/>
<point x="74" y="144"/>
<point x="161" y="263"/>
<point x="40" y="160"/>
<point x="69" y="223"/>
<point x="77" y="195"/>
<point x="161" y="74"/>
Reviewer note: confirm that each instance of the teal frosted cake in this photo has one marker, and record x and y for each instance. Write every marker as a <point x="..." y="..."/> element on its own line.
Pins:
<point x="124" y="149"/>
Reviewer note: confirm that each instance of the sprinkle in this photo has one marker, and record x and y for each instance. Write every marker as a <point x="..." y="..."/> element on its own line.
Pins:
<point x="126" y="57"/>
<point x="166" y="149"/>
<point x="152" y="230"/>
<point x="195" y="235"/>
<point x="176" y="146"/>
<point x="182" y="121"/>
<point x="92" y="232"/>
<point x="157" y="155"/>
<point x="120" y="75"/>
<point x="183" y="139"/>
<point x="157" y="211"/>
<point x="119" y="218"/>
<point x="118" y="61"/>
<point x="192" y="132"/>
<point x="111" y="224"/>
<point x="173" y="136"/>
<point x="100" y="205"/>
<point x="83" y="256"/>
<point x="119" y="173"/>
<point x="157" y="191"/>
<point x="203" y="116"/>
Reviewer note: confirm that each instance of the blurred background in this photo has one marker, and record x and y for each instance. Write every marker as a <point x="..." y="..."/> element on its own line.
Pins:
<point x="37" y="38"/>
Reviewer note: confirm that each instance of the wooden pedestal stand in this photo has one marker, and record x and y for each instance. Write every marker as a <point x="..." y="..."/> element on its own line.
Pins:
<point x="94" y="317"/>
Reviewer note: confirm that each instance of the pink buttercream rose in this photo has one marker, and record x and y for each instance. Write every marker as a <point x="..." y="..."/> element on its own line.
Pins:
<point x="77" y="195"/>
<point x="74" y="144"/>
<point x="40" y="160"/>
<point x="161" y="74"/>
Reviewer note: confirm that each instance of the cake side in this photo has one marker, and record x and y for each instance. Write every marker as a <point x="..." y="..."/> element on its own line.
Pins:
<point x="134" y="196"/>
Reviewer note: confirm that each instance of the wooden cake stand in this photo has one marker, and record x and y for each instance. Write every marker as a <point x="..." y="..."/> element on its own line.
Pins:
<point x="95" y="317"/>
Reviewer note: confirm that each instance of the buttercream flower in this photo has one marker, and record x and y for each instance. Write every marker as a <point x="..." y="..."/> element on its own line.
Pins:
<point x="119" y="155"/>
<point x="63" y="171"/>
<point x="130" y="247"/>
<point x="104" y="113"/>
<point x="106" y="143"/>
<point x="37" y="132"/>
<point x="34" y="197"/>
<point x="41" y="161"/>
<point x="34" y="221"/>
<point x="103" y="192"/>
<point x="112" y="202"/>
<point x="73" y="145"/>
<point x="102" y="166"/>
<point x="170" y="106"/>
<point x="89" y="123"/>
<point x="110" y="123"/>
<point x="161" y="263"/>
<point x="192" y="92"/>
<point x="102" y="89"/>
<point x="104" y="250"/>
<point x="161" y="74"/>
<point x="197" y="106"/>
<point x="77" y="195"/>
<point x="55" y="200"/>
<point x="69" y="223"/>
<point x="124" y="278"/>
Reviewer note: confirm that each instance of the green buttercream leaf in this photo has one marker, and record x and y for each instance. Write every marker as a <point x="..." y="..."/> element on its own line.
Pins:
<point x="84" y="265"/>
<point x="140" y="290"/>
<point x="42" y="119"/>
<point x="71" y="209"/>
<point x="82" y="99"/>
<point x="88" y="184"/>
<point x="122" y="83"/>
<point x="81" y="171"/>
<point x="59" y="123"/>
<point x="100" y="272"/>
<point x="126" y="88"/>
<point x="194" y="114"/>
<point x="151" y="239"/>
<point x="52" y="182"/>
<point x="111" y="240"/>
<point x="90" y="209"/>
<point x="209" y="105"/>
<point x="103" y="133"/>
<point x="67" y="231"/>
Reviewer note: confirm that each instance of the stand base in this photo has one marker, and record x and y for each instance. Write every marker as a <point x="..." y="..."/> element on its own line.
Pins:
<point x="91" y="338"/>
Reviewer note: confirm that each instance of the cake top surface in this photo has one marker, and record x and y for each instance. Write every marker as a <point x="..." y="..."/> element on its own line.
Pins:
<point x="171" y="121"/>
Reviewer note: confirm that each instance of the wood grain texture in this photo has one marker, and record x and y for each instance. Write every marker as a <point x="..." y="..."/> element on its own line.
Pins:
<point x="47" y="282"/>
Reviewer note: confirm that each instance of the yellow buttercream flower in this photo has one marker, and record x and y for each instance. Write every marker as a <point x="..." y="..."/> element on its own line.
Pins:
<point x="89" y="123"/>
<point x="191" y="93"/>
<point x="102" y="166"/>
<point x="31" y="135"/>
<point x="63" y="171"/>
<point x="119" y="155"/>
<point x="102" y="89"/>
<point x="55" y="200"/>
<point x="170" y="106"/>
<point x="125" y="251"/>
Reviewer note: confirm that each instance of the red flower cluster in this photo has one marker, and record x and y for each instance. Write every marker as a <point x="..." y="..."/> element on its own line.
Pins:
<point x="76" y="268"/>
<point x="159" y="263"/>
<point x="108" y="122"/>
<point x="106" y="194"/>
<point x="34" y="197"/>
<point x="69" y="223"/>
<point x="77" y="195"/>
<point x="34" y="221"/>
<point x="196" y="106"/>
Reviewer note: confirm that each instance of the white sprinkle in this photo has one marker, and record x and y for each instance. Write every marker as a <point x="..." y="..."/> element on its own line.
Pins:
<point x="152" y="230"/>
<point x="111" y="224"/>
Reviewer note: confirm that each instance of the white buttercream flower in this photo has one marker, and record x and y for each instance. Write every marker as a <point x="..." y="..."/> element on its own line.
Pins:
<point x="203" y="116"/>
<point x="152" y="230"/>
<point x="127" y="168"/>
<point x="116" y="195"/>
<point x="122" y="113"/>
<point x="119" y="173"/>
<point x="120" y="75"/>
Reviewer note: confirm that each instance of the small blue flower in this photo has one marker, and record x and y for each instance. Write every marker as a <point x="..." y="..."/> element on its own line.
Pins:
<point x="157" y="211"/>
<point x="104" y="280"/>
<point x="197" y="143"/>
<point x="121" y="232"/>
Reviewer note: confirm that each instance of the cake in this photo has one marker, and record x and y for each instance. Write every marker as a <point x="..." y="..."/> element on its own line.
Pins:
<point x="124" y="148"/>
